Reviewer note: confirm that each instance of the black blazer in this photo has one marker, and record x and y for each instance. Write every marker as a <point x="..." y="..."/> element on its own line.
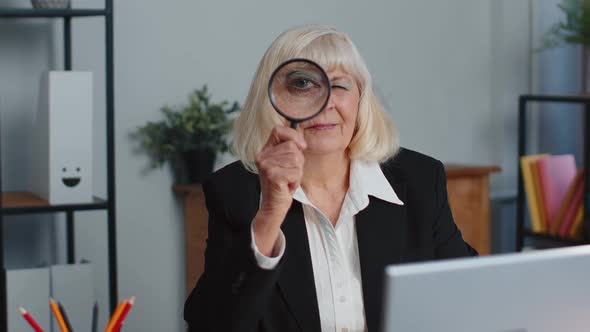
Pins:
<point x="234" y="294"/>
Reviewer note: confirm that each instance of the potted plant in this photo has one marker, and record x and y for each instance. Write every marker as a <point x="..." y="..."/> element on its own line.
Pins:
<point x="189" y="137"/>
<point x="575" y="29"/>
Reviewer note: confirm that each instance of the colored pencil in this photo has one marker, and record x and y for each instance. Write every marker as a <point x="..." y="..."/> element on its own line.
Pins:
<point x="57" y="314"/>
<point x="118" y="328"/>
<point x="124" y="314"/>
<point x="30" y="320"/>
<point x="62" y="310"/>
<point x="115" y="316"/>
<point x="95" y="317"/>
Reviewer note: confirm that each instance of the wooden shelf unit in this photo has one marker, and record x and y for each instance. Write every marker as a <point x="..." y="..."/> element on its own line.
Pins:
<point x="26" y="202"/>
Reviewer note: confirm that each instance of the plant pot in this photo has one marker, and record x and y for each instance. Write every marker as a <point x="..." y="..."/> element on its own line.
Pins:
<point x="195" y="166"/>
<point x="586" y="70"/>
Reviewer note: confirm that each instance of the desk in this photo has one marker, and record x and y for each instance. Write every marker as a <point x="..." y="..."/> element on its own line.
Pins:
<point x="468" y="196"/>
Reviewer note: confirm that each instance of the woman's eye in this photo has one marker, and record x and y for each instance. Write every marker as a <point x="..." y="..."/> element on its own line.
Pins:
<point x="301" y="83"/>
<point x="336" y="86"/>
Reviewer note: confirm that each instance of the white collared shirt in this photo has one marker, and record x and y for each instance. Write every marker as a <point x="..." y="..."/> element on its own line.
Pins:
<point x="334" y="249"/>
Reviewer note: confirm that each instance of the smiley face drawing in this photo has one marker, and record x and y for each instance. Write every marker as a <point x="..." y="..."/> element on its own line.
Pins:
<point x="70" y="176"/>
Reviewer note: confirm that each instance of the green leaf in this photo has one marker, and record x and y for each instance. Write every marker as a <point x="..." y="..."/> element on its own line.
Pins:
<point x="200" y="124"/>
<point x="573" y="29"/>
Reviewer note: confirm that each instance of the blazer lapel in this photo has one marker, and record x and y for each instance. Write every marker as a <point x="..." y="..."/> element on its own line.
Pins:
<point x="296" y="280"/>
<point x="380" y="235"/>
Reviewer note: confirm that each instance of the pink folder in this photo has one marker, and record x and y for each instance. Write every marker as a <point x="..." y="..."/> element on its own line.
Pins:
<point x="556" y="173"/>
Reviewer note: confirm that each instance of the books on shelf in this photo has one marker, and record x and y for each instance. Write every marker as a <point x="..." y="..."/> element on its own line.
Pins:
<point x="533" y="192"/>
<point x="556" y="174"/>
<point x="568" y="207"/>
<point x="554" y="190"/>
<point x="572" y="206"/>
<point x="577" y="229"/>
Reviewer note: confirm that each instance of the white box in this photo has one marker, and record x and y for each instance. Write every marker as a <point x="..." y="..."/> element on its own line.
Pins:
<point x="62" y="146"/>
<point x="73" y="286"/>
<point x="28" y="288"/>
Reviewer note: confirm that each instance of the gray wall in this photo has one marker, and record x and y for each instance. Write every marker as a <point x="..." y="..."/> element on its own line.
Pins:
<point x="557" y="71"/>
<point x="448" y="71"/>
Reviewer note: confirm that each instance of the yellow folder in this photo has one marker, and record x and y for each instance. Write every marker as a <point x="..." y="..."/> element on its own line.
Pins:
<point x="577" y="230"/>
<point x="533" y="191"/>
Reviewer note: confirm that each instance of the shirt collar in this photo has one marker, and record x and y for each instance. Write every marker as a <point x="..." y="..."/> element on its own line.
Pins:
<point x="366" y="178"/>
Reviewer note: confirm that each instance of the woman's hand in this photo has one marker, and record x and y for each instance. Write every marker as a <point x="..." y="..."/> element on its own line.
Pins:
<point x="280" y="168"/>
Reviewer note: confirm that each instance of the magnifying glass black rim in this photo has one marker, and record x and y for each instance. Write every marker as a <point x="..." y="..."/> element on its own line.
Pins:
<point x="272" y="99"/>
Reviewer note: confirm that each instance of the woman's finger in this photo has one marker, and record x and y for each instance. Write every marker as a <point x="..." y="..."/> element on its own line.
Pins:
<point x="280" y="134"/>
<point x="288" y="148"/>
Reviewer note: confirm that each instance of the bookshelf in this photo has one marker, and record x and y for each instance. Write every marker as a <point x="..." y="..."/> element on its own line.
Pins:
<point x="522" y="232"/>
<point x="14" y="203"/>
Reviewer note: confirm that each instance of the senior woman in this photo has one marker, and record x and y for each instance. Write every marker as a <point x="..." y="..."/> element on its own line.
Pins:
<point x="302" y="227"/>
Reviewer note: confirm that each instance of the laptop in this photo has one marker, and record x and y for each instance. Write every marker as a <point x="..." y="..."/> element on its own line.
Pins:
<point x="538" y="291"/>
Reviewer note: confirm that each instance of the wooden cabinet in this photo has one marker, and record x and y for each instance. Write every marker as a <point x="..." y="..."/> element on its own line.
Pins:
<point x="195" y="231"/>
<point x="468" y="196"/>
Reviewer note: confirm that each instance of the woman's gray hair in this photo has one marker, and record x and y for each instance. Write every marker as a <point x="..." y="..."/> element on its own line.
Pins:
<point x="375" y="137"/>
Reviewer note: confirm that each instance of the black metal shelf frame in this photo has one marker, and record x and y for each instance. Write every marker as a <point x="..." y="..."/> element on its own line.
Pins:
<point x="109" y="203"/>
<point x="521" y="232"/>
<point x="555" y="239"/>
<point x="25" y="12"/>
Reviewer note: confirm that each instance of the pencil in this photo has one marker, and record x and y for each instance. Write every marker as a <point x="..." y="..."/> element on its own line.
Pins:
<point x="115" y="316"/>
<point x="118" y="328"/>
<point x="64" y="315"/>
<point x="58" y="318"/>
<point x="124" y="314"/>
<point x="95" y="317"/>
<point x="30" y="320"/>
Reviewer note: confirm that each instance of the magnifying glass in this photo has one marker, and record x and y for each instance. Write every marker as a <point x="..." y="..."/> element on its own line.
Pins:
<point x="299" y="89"/>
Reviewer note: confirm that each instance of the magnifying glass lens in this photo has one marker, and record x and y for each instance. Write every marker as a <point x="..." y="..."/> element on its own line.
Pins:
<point x="299" y="90"/>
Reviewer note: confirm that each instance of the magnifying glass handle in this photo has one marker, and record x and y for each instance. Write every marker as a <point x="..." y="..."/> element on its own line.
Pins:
<point x="294" y="124"/>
